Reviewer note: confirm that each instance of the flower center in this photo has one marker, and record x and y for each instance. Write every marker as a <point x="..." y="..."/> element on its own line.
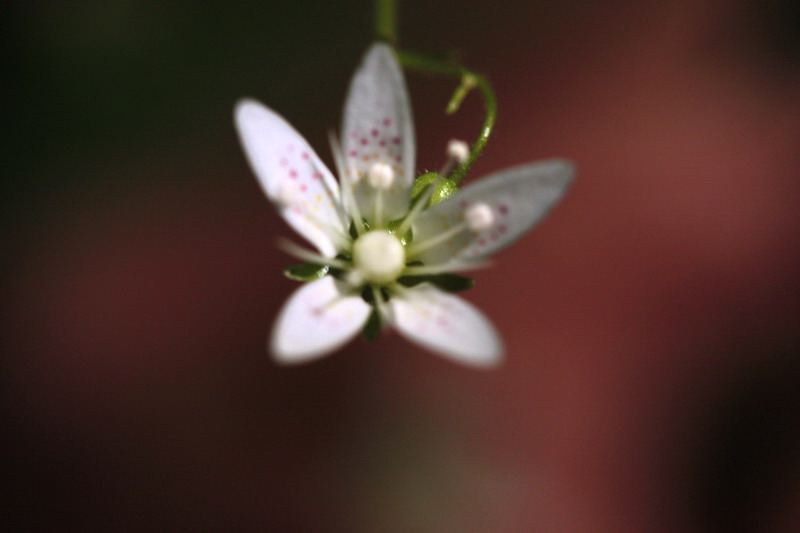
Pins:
<point x="378" y="256"/>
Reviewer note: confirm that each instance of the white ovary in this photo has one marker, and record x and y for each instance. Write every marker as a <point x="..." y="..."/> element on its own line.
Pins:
<point x="378" y="256"/>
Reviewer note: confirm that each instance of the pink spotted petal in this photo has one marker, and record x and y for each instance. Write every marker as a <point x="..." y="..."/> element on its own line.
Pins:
<point x="519" y="197"/>
<point x="446" y="324"/>
<point x="316" y="320"/>
<point x="377" y="126"/>
<point x="281" y="160"/>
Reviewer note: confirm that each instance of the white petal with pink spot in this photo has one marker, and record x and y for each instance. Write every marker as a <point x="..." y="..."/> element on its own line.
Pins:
<point x="292" y="175"/>
<point x="318" y="318"/>
<point x="377" y="127"/>
<point x="446" y="324"/>
<point x="518" y="197"/>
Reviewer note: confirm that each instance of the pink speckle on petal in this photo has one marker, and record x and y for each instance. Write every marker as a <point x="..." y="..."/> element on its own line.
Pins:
<point x="304" y="155"/>
<point x="502" y="228"/>
<point x="353" y="134"/>
<point x="382" y="143"/>
<point x="503" y="208"/>
<point x="317" y="311"/>
<point x="353" y="153"/>
<point x="396" y="140"/>
<point x="399" y="158"/>
<point x="364" y="141"/>
<point x="317" y="175"/>
<point x="304" y="187"/>
<point x="387" y="122"/>
<point x="374" y="132"/>
<point x="293" y="174"/>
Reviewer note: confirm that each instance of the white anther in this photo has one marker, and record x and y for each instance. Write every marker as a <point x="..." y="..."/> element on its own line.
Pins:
<point x="458" y="150"/>
<point x="479" y="217"/>
<point x="380" y="176"/>
<point x="288" y="194"/>
<point x="378" y="256"/>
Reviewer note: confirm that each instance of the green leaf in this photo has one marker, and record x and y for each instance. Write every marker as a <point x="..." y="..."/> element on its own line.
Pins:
<point x="373" y="326"/>
<point x="445" y="189"/>
<point x="306" y="271"/>
<point x="446" y="282"/>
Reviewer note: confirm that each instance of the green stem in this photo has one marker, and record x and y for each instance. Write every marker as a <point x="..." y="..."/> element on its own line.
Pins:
<point x="469" y="79"/>
<point x="386" y="21"/>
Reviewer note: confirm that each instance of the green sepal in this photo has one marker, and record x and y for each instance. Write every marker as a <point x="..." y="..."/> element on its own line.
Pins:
<point x="393" y="225"/>
<point x="444" y="190"/>
<point x="306" y="271"/>
<point x="373" y="326"/>
<point x="352" y="228"/>
<point x="447" y="282"/>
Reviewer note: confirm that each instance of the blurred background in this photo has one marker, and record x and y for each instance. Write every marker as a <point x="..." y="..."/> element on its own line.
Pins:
<point x="652" y="380"/>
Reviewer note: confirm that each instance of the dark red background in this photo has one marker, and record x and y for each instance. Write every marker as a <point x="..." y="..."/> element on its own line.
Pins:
<point x="652" y="378"/>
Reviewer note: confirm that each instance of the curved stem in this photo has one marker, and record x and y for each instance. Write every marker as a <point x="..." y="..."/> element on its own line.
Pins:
<point x="469" y="79"/>
<point x="386" y="30"/>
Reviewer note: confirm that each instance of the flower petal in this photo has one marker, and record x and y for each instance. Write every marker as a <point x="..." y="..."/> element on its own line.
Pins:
<point x="518" y="198"/>
<point x="317" y="319"/>
<point x="377" y="127"/>
<point x="291" y="175"/>
<point x="446" y="324"/>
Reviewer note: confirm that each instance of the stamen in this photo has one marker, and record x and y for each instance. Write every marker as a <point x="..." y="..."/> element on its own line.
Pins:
<point x="419" y="205"/>
<point x="457" y="152"/>
<point x="333" y="195"/>
<point x="289" y="196"/>
<point x="377" y="209"/>
<point x="449" y="266"/>
<point x="479" y="217"/>
<point x="354" y="279"/>
<point x="380" y="176"/>
<point x="307" y="255"/>
<point x="380" y="302"/>
<point x="346" y="185"/>
<point x="321" y="308"/>
<point x="421" y="246"/>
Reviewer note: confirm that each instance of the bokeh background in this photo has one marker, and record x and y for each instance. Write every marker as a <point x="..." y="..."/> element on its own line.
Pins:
<point x="652" y="381"/>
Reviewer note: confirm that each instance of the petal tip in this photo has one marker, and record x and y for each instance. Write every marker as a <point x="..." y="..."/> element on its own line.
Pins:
<point x="246" y="106"/>
<point x="284" y="354"/>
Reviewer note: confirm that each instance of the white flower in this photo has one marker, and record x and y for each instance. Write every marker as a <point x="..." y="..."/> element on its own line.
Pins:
<point x="382" y="251"/>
